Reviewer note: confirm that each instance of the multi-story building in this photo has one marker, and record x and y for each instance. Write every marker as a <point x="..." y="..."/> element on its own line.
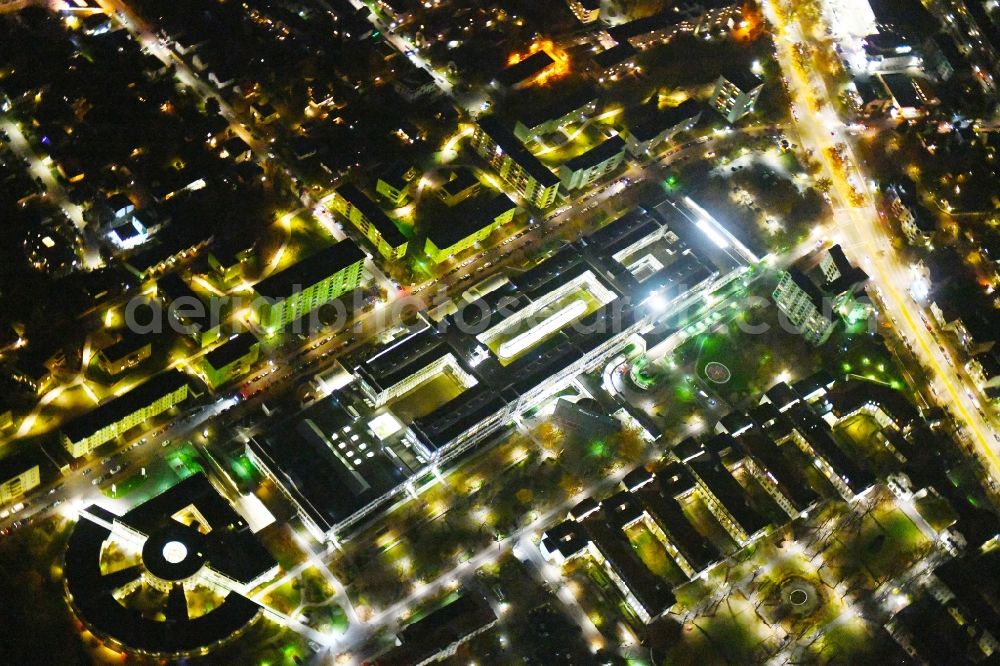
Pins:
<point x="525" y="71"/>
<point x="917" y="222"/>
<point x="395" y="182"/>
<point x="984" y="369"/>
<point x="407" y="364"/>
<point x="805" y="306"/>
<point x="736" y="93"/>
<point x="516" y="166"/>
<point x="652" y="126"/>
<point x="462" y="185"/>
<point x="598" y="529"/>
<point x="131" y="350"/>
<point x="314" y="281"/>
<point x="888" y="52"/>
<point x="371" y="221"/>
<point x="99" y="426"/>
<point x="20" y="472"/>
<point x="572" y="108"/>
<point x="586" y="11"/>
<point x="188" y="312"/>
<point x="230" y="360"/>
<point x="591" y="166"/>
<point x="456" y="236"/>
<point x="226" y="259"/>
<point x="615" y="62"/>
<point x="438" y="635"/>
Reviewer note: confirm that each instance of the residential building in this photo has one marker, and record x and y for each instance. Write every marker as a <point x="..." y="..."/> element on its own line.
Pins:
<point x="586" y="11"/>
<point x="462" y="184"/>
<point x="305" y="286"/>
<point x="227" y="259"/>
<point x="32" y="375"/>
<point x="583" y="170"/>
<point x="188" y="312"/>
<point x="652" y="30"/>
<point x="575" y="107"/>
<point x="736" y="93"/>
<point x="984" y="369"/>
<point x="615" y="62"/>
<point x="910" y="96"/>
<point x="438" y="635"/>
<point x="524" y="72"/>
<point x="889" y="51"/>
<point x="115" y="417"/>
<point x="20" y="472"/>
<point x="516" y="166"/>
<point x="230" y="360"/>
<point x="650" y="126"/>
<point x="917" y="222"/>
<point x="805" y="306"/>
<point x="371" y="221"/>
<point x="395" y="183"/>
<point x="414" y="83"/>
<point x="451" y="238"/>
<point x="598" y="529"/>
<point x="131" y="350"/>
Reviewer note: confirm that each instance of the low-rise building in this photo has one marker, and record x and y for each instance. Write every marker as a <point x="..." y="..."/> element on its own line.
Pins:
<point x="910" y="96"/>
<point x="227" y="259"/>
<point x="736" y="93"/>
<point x="984" y="369"/>
<point x="516" y="166"/>
<point x="414" y="83"/>
<point x="305" y="286"/>
<point x="371" y="221"/>
<point x="115" y="417"/>
<point x="601" y="160"/>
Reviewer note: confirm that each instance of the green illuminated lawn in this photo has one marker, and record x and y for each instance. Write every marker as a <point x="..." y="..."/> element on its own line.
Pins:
<point x="654" y="555"/>
<point x="593" y="304"/>
<point x="426" y="397"/>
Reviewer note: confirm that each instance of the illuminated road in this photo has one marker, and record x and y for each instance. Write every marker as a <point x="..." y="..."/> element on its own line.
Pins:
<point x="868" y="242"/>
<point x="38" y="169"/>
